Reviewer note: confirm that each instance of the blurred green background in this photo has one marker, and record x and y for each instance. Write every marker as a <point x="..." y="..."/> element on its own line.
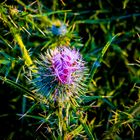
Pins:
<point x="95" y="22"/>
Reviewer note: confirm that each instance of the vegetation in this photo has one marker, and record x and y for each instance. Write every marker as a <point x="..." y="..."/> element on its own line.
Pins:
<point x="107" y="102"/>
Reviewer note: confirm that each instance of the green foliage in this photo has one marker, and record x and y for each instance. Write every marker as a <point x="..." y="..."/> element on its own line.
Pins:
<point x="107" y="35"/>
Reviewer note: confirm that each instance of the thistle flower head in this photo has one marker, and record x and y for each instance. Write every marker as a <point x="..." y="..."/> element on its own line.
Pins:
<point x="61" y="71"/>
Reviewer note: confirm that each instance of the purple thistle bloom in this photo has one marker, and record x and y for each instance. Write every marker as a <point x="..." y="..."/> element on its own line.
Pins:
<point x="65" y="63"/>
<point x="61" y="70"/>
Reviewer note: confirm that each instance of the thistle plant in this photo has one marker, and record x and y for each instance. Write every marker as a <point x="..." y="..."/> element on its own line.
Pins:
<point x="58" y="83"/>
<point x="62" y="72"/>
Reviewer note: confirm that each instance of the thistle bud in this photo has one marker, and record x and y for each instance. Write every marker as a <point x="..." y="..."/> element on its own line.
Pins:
<point x="59" y="30"/>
